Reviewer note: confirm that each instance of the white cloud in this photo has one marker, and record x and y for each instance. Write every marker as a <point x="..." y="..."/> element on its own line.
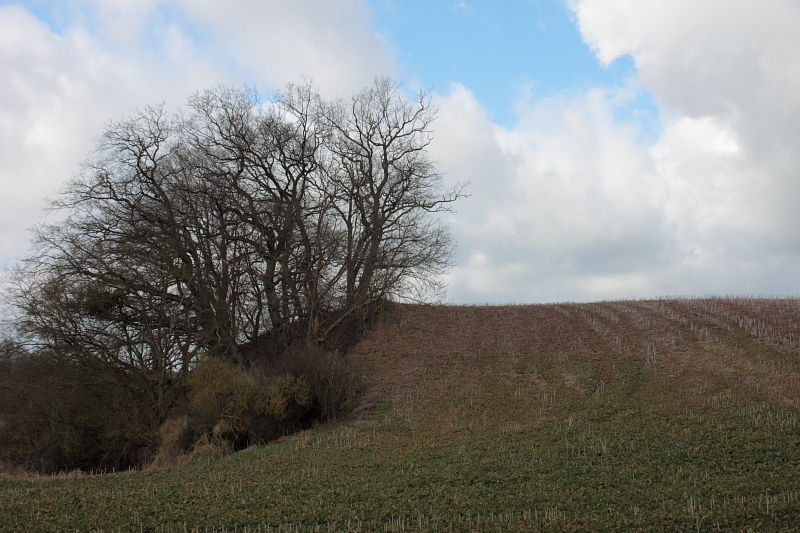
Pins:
<point x="562" y="204"/>
<point x="282" y="40"/>
<point x="56" y="92"/>
<point x="569" y="204"/>
<point x="462" y="6"/>
<point x="270" y="42"/>
<point x="727" y="75"/>
<point x="120" y="22"/>
<point x="700" y="57"/>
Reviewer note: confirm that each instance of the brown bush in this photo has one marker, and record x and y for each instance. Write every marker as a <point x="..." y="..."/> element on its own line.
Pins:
<point x="240" y="407"/>
<point x="230" y="405"/>
<point x="333" y="386"/>
<point x="171" y="448"/>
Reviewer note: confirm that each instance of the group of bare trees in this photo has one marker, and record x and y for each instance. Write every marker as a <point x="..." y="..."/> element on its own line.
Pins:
<point x="191" y="234"/>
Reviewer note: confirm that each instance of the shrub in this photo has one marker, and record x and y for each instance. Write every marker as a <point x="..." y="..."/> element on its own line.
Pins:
<point x="240" y="407"/>
<point x="173" y="434"/>
<point x="234" y="406"/>
<point x="57" y="418"/>
<point x="333" y="385"/>
<point x="57" y="415"/>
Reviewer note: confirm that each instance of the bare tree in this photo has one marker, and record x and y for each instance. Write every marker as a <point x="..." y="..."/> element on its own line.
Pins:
<point x="386" y="188"/>
<point x="190" y="234"/>
<point x="266" y="162"/>
<point x="187" y="235"/>
<point x="109" y="285"/>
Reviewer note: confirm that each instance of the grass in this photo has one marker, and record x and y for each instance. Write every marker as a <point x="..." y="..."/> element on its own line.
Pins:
<point x="668" y="415"/>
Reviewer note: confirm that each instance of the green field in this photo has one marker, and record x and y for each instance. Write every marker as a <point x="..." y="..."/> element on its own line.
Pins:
<point x="666" y="415"/>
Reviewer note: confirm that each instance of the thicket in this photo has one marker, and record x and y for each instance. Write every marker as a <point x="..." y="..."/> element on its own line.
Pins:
<point x="209" y="266"/>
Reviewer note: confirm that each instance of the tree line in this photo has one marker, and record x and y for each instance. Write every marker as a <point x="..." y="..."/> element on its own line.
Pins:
<point x="235" y="230"/>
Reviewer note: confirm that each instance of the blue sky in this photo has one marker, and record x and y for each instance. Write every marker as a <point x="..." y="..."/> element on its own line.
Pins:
<point x="504" y="52"/>
<point x="498" y="50"/>
<point x="614" y="148"/>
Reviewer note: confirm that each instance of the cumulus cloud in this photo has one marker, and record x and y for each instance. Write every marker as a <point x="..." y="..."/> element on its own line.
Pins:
<point x="282" y="40"/>
<point x="728" y="82"/>
<point x="566" y="205"/>
<point x="570" y="204"/>
<point x="267" y="42"/>
<point x="56" y="92"/>
<point x="102" y="58"/>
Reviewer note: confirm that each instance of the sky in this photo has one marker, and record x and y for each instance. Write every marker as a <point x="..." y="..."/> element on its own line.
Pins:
<point x="613" y="148"/>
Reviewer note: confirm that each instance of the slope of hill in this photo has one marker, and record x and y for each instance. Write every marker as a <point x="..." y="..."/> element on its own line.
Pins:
<point x="663" y="415"/>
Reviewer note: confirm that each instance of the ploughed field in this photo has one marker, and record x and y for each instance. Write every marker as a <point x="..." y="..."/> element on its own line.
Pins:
<point x="662" y="415"/>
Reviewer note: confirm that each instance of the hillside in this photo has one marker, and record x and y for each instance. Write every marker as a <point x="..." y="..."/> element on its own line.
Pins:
<point x="664" y="415"/>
